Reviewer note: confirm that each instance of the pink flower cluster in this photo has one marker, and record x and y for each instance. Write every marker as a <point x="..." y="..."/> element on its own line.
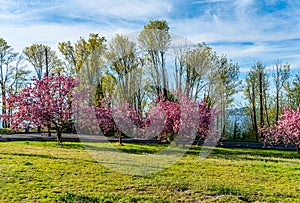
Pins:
<point x="287" y="129"/>
<point x="46" y="101"/>
<point x="166" y="118"/>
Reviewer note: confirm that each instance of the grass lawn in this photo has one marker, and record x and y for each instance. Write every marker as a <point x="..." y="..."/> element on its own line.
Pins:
<point x="48" y="172"/>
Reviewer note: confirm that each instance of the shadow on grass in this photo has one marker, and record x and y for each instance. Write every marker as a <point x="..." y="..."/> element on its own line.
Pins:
<point x="127" y="148"/>
<point x="66" y="145"/>
<point x="248" y="154"/>
<point x="142" y="149"/>
<point x="45" y="156"/>
<point x="233" y="152"/>
<point x="78" y="198"/>
<point x="227" y="153"/>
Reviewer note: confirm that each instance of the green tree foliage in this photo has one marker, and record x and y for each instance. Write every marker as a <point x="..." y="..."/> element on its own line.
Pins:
<point x="281" y="74"/>
<point x="43" y="59"/>
<point x="155" y="39"/>
<point x="86" y="59"/>
<point x="293" y="90"/>
<point x="228" y="74"/>
<point x="87" y="52"/>
<point x="256" y="86"/>
<point x="124" y="68"/>
<point x="192" y="66"/>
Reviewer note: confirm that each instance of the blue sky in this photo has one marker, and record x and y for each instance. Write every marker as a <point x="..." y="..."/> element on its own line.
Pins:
<point x="244" y="30"/>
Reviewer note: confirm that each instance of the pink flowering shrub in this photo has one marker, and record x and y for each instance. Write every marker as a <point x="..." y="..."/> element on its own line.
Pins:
<point x="286" y="130"/>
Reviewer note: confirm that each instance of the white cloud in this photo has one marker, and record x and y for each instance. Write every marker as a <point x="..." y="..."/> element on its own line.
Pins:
<point x="21" y="36"/>
<point x="217" y="22"/>
<point x="127" y="8"/>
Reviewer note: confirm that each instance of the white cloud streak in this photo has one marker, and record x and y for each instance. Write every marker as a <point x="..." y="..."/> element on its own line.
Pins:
<point x="225" y="24"/>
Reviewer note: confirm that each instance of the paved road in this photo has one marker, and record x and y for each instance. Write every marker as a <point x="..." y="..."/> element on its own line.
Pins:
<point x="90" y="138"/>
<point x="68" y="137"/>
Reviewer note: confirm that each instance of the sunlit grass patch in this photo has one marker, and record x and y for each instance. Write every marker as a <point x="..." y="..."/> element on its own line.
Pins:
<point x="51" y="172"/>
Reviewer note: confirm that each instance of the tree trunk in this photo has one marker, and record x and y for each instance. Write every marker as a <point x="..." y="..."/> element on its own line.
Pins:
<point x="10" y="113"/>
<point x="164" y="75"/>
<point x="266" y="108"/>
<point x="277" y="91"/>
<point x="223" y="118"/>
<point x="4" y="122"/>
<point x="254" y="113"/>
<point x="261" y="103"/>
<point x="235" y="130"/>
<point x="277" y="104"/>
<point x="46" y="59"/>
<point x="120" y="140"/>
<point x="49" y="130"/>
<point x="59" y="140"/>
<point x="119" y="135"/>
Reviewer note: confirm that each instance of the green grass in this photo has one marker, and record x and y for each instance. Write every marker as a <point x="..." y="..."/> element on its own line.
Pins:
<point x="6" y="131"/>
<point x="49" y="172"/>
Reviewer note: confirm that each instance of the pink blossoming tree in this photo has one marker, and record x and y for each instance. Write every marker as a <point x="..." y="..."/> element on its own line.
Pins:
<point x="286" y="130"/>
<point x="46" y="102"/>
<point x="165" y="119"/>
